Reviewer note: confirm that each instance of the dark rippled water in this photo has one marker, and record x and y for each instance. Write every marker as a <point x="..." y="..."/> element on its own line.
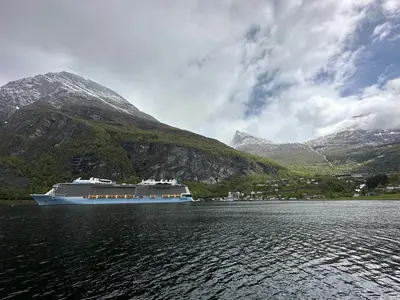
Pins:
<point x="273" y="250"/>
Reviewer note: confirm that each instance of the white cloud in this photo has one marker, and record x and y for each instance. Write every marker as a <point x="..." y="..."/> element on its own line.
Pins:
<point x="190" y="65"/>
<point x="391" y="6"/>
<point x="381" y="31"/>
<point x="384" y="31"/>
<point x="319" y="110"/>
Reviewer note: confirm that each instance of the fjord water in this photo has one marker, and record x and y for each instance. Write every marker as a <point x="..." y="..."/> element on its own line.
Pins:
<point x="264" y="250"/>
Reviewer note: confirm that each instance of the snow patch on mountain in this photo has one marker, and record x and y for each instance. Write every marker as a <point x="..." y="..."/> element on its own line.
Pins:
<point x="58" y="88"/>
<point x="357" y="138"/>
<point x="242" y="139"/>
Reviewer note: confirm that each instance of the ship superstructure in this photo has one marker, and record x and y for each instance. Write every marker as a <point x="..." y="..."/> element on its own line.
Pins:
<point x="104" y="191"/>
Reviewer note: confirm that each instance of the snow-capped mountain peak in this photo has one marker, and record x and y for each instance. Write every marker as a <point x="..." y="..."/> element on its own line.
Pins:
<point x="242" y="139"/>
<point x="358" y="138"/>
<point x="61" y="88"/>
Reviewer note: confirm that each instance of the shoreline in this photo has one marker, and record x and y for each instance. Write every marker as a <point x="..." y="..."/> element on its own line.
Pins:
<point x="378" y="197"/>
<point x="395" y="197"/>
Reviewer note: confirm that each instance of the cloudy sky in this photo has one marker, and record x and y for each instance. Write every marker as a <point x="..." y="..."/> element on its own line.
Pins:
<point x="285" y="70"/>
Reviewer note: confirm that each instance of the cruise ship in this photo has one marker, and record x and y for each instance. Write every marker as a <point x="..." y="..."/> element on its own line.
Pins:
<point x="104" y="191"/>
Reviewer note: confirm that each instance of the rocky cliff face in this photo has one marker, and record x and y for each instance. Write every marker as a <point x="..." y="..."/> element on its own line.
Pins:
<point x="172" y="161"/>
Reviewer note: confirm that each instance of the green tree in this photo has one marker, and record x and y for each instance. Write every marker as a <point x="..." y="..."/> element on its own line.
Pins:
<point x="374" y="181"/>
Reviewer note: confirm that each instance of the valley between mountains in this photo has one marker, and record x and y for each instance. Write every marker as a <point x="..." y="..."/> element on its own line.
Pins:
<point x="59" y="126"/>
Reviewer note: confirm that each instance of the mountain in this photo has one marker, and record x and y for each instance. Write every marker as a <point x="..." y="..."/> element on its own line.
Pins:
<point x="60" y="89"/>
<point x="289" y="153"/>
<point x="355" y="139"/>
<point x="350" y="149"/>
<point x="70" y="133"/>
<point x="241" y="139"/>
<point x="368" y="150"/>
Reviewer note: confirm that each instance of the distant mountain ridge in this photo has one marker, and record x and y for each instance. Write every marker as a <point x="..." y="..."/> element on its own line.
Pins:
<point x="59" y="89"/>
<point x="357" y="138"/>
<point x="291" y="153"/>
<point x="370" y="151"/>
<point x="357" y="149"/>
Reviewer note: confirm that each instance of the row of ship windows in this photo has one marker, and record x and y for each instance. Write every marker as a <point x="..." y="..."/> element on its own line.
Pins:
<point x="133" y="196"/>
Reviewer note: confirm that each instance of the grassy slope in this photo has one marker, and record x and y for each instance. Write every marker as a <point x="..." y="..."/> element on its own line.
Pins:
<point x="289" y="153"/>
<point x="315" y="169"/>
<point x="384" y="159"/>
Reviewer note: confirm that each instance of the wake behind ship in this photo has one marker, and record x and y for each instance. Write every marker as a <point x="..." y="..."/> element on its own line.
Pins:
<point x="104" y="191"/>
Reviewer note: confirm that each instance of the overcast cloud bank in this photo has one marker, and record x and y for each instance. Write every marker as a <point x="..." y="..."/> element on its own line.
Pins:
<point x="284" y="70"/>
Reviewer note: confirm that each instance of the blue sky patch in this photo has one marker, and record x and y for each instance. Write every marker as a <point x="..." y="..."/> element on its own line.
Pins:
<point x="379" y="61"/>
